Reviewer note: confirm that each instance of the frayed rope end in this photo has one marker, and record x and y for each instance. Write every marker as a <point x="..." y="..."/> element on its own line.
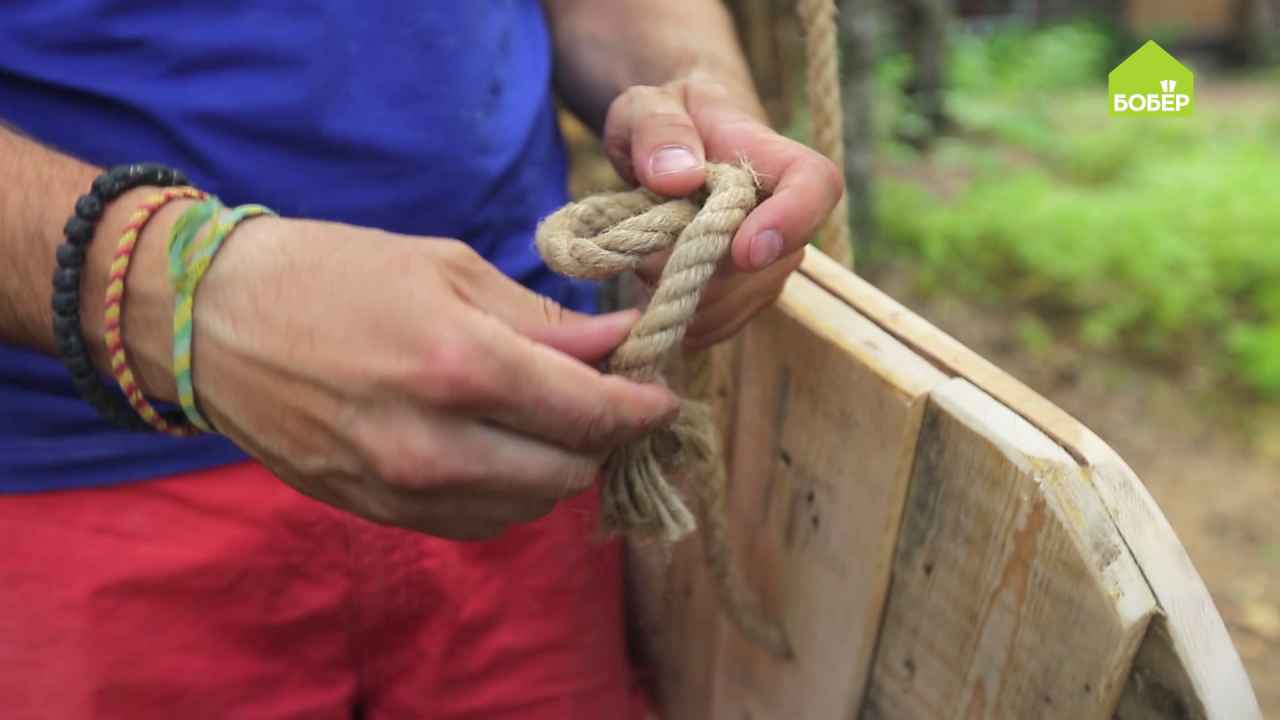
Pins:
<point x="638" y="499"/>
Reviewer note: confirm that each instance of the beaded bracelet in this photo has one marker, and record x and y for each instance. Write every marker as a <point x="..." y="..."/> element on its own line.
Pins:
<point x="174" y="424"/>
<point x="67" y="331"/>
<point x="189" y="260"/>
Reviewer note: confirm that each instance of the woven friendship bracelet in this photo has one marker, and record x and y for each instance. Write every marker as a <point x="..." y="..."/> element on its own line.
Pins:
<point x="183" y="234"/>
<point x="174" y="423"/>
<point x="189" y="259"/>
<point x="181" y="239"/>
<point x="67" y="331"/>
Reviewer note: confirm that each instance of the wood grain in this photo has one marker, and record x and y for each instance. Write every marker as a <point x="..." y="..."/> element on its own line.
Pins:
<point x="823" y="409"/>
<point x="1013" y="596"/>
<point x="1032" y="574"/>
<point x="1199" y="672"/>
<point x="828" y="412"/>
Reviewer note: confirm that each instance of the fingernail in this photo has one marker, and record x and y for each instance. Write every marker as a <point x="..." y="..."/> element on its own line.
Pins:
<point x="765" y="248"/>
<point x="670" y="160"/>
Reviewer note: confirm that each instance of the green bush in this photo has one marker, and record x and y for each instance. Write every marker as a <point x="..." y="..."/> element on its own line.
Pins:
<point x="1157" y="236"/>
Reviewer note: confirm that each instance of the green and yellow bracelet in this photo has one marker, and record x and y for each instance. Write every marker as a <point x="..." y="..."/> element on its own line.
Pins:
<point x="190" y="255"/>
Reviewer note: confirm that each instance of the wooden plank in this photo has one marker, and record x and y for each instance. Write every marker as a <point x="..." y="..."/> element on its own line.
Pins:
<point x="1013" y="596"/>
<point x="826" y="414"/>
<point x="1200" y="670"/>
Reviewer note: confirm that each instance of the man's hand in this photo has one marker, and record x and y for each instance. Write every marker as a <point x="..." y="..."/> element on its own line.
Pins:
<point x="661" y="137"/>
<point x="401" y="378"/>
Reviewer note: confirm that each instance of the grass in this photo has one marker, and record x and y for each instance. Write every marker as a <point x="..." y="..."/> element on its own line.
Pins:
<point x="1157" y="236"/>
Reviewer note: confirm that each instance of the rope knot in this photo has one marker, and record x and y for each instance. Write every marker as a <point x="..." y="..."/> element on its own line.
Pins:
<point x="607" y="234"/>
<point x="602" y="236"/>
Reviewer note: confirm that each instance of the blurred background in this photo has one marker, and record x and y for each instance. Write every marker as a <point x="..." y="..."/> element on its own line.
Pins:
<point x="1127" y="268"/>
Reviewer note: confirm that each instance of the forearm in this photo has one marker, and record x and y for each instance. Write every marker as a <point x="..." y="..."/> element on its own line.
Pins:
<point x="39" y="190"/>
<point x="38" y="195"/>
<point x="602" y="48"/>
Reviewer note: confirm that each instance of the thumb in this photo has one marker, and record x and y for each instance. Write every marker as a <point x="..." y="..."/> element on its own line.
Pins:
<point x="586" y="337"/>
<point x="589" y="338"/>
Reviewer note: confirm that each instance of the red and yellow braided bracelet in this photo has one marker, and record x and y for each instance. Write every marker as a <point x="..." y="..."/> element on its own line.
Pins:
<point x="120" y="368"/>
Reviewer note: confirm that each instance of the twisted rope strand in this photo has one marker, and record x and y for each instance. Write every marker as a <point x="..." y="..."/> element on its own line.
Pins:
<point x="826" y="112"/>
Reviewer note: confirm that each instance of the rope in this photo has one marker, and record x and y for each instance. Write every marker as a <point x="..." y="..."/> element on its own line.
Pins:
<point x="607" y="234"/>
<point x="604" y="235"/>
<point x="826" y="112"/>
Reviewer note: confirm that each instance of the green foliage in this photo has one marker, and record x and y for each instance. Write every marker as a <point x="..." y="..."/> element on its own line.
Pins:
<point x="1019" y="60"/>
<point x="1160" y="236"/>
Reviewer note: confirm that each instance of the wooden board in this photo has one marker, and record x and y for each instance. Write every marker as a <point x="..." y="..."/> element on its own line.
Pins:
<point x="814" y="514"/>
<point x="938" y="541"/>
<point x="1187" y="666"/>
<point x="817" y="510"/>
<point x="1013" y="596"/>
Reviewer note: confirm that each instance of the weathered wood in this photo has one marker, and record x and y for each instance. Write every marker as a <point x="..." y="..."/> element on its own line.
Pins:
<point x="1029" y="568"/>
<point x="1188" y="661"/>
<point x="814" y="514"/>
<point x="1013" y="595"/>
<point x="817" y="511"/>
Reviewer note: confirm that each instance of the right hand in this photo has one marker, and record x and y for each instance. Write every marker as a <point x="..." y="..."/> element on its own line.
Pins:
<point x="403" y="379"/>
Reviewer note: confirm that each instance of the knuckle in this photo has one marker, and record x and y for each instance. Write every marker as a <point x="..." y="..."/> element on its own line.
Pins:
<point x="393" y="468"/>
<point x="460" y="260"/>
<point x="409" y="459"/>
<point x="830" y="174"/>
<point x="460" y="253"/>
<point x="642" y="93"/>
<point x="597" y="428"/>
<point x="700" y="83"/>
<point x="668" y="121"/>
<point x="401" y="467"/>
<point x="451" y="374"/>
<point x="553" y="313"/>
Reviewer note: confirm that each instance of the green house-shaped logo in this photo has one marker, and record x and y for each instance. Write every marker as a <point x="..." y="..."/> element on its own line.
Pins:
<point x="1151" y="82"/>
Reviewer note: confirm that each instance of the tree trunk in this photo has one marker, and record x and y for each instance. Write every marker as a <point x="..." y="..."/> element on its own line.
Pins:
<point x="857" y="46"/>
<point x="1258" y="28"/>
<point x="924" y="32"/>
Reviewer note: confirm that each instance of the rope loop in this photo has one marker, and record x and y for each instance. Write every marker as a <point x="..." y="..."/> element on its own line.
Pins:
<point x="604" y="235"/>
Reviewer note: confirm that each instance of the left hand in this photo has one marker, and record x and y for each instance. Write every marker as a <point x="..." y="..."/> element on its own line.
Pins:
<point x="661" y="138"/>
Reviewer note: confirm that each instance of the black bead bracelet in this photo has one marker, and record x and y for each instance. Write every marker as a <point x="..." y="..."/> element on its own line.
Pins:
<point x="68" y="335"/>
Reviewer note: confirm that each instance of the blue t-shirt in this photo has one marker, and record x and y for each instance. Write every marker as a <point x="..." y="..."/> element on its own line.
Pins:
<point x="427" y="118"/>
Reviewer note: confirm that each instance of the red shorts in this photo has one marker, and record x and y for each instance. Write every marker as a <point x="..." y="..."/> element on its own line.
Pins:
<point x="226" y="594"/>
